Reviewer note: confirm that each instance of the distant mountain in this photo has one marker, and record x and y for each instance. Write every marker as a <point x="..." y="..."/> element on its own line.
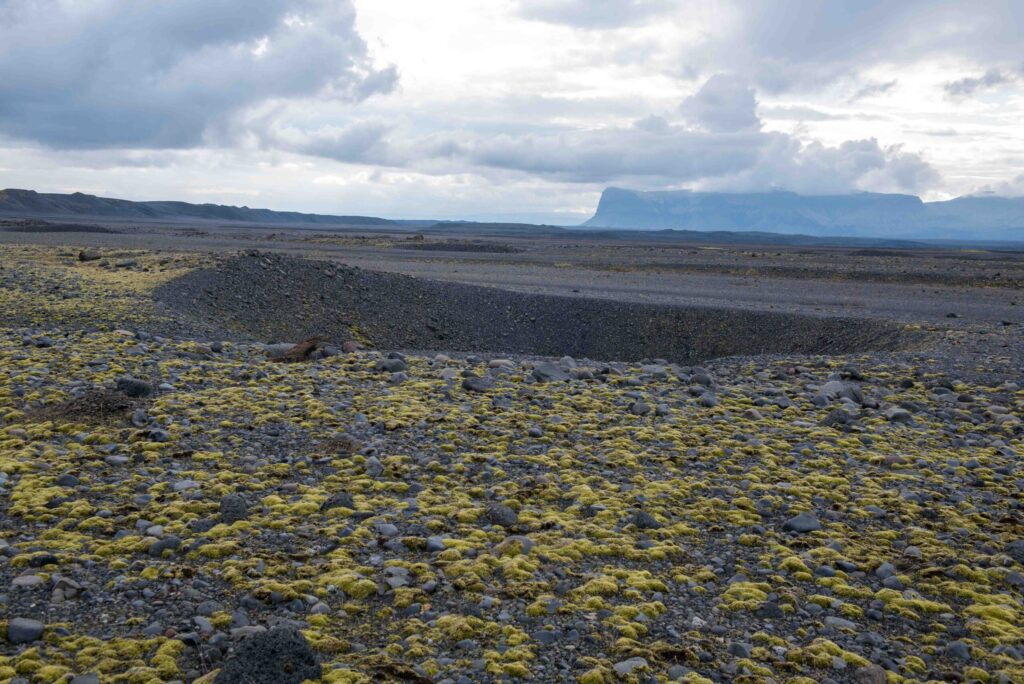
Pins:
<point x="861" y="214"/>
<point x="31" y="203"/>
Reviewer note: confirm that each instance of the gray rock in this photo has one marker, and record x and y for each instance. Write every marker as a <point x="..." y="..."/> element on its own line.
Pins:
<point x="276" y="351"/>
<point x="870" y="674"/>
<point x="374" y="468"/>
<point x="896" y="414"/>
<point x="387" y="530"/>
<point x="24" y="630"/>
<point x="278" y="656"/>
<point x="87" y="678"/>
<point x="233" y="508"/>
<point x="837" y="418"/>
<point x="835" y="389"/>
<point x="885" y="570"/>
<point x="475" y="383"/>
<point x="392" y="365"/>
<point x="625" y="668"/>
<point x="169" y="543"/>
<point x="958" y="650"/>
<point x="644" y="521"/>
<point x="677" y="672"/>
<point x="133" y="387"/>
<point x="338" y="500"/>
<point x="547" y="372"/>
<point x="839" y="623"/>
<point x="67" y="480"/>
<point x="639" y="408"/>
<point x="802" y="523"/>
<point x="707" y="400"/>
<point x="500" y="514"/>
<point x="1015" y="550"/>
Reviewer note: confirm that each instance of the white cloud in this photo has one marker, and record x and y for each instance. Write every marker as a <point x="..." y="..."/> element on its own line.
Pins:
<point x="524" y="106"/>
<point x="592" y="14"/>
<point x="725" y="103"/>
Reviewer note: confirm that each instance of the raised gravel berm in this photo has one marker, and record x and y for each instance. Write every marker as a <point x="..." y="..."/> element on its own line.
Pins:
<point x="272" y="297"/>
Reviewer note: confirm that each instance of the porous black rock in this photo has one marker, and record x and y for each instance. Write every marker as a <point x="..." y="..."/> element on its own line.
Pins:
<point x="278" y="656"/>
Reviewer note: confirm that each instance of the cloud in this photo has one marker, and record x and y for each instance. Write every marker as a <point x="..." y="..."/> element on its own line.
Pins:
<point x="676" y="154"/>
<point x="873" y="89"/>
<point x="594" y="14"/>
<point x="969" y="85"/>
<point x="724" y="103"/>
<point x="794" y="45"/>
<point x="718" y="143"/>
<point x="815" y="169"/>
<point x="106" y="74"/>
<point x="1013" y="187"/>
<point x="799" y="113"/>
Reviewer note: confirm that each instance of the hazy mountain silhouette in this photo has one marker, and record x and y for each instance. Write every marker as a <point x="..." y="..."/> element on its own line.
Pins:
<point x="861" y="214"/>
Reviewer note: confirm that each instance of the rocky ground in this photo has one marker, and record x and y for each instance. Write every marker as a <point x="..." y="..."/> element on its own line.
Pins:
<point x="274" y="297"/>
<point x="176" y="505"/>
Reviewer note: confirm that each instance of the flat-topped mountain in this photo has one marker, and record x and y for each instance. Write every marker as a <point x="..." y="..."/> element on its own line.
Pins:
<point x="861" y="214"/>
<point x="30" y="202"/>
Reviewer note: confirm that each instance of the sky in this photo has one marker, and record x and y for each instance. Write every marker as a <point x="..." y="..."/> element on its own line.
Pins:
<point x="518" y="110"/>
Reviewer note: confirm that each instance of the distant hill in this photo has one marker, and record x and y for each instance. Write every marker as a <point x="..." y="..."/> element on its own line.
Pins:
<point x="31" y="203"/>
<point x="861" y="214"/>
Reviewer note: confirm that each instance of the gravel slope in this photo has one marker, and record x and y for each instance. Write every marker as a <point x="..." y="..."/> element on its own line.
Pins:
<point x="394" y="311"/>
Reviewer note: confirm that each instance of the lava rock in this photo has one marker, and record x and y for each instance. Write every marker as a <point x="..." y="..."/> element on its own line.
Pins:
<point x="338" y="500"/>
<point x="134" y="388"/>
<point x="233" y="508"/>
<point x="500" y="514"/>
<point x="644" y="521"/>
<point x="278" y="656"/>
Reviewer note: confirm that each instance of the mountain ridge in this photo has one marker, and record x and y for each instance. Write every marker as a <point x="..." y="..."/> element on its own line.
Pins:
<point x="858" y="215"/>
<point x="30" y="202"/>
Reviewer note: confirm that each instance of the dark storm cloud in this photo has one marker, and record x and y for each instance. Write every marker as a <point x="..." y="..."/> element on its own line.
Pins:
<point x="160" y="74"/>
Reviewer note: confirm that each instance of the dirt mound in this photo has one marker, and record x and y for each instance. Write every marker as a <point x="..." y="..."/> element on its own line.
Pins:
<point x="273" y="297"/>
<point x="95" y="406"/>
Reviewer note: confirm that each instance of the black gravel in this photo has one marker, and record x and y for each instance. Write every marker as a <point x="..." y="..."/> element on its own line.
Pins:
<point x="274" y="297"/>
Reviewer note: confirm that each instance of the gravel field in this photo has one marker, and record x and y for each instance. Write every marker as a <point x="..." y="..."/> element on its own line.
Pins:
<point x="592" y="490"/>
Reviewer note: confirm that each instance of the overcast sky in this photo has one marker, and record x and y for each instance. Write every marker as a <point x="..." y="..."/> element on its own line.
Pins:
<point x="507" y="109"/>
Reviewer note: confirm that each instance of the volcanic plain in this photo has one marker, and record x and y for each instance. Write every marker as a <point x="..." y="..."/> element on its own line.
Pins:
<point x="269" y="455"/>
